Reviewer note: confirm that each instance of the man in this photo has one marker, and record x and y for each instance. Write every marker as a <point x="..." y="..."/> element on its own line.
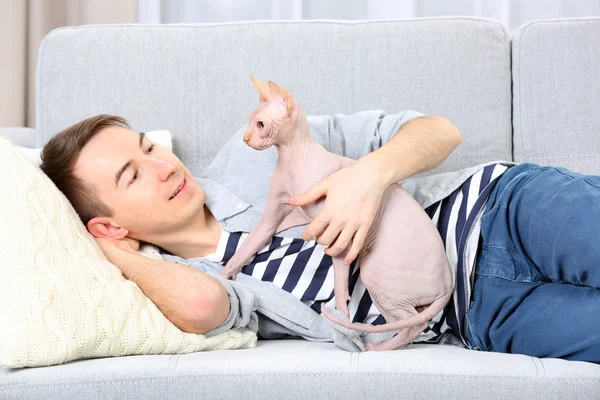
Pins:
<point x="125" y="188"/>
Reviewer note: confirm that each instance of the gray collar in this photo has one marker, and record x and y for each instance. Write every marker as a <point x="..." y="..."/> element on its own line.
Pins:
<point x="221" y="202"/>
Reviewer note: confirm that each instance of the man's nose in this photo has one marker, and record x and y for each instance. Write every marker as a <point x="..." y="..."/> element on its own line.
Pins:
<point x="164" y="168"/>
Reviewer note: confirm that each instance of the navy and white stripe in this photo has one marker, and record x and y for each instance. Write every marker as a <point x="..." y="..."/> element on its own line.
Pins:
<point x="303" y="269"/>
<point x="457" y="220"/>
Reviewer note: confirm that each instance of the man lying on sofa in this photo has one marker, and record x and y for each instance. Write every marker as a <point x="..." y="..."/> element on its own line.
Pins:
<point x="521" y="238"/>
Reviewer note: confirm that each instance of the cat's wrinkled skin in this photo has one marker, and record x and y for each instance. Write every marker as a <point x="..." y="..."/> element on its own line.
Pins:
<point x="403" y="263"/>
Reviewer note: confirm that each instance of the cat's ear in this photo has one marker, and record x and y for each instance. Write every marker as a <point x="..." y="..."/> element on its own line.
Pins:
<point x="279" y="92"/>
<point x="263" y="90"/>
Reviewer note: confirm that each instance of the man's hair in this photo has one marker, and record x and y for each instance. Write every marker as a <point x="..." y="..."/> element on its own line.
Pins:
<point x="58" y="162"/>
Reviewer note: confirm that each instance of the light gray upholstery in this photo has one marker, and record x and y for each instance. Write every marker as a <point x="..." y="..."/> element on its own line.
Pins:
<point x="194" y="81"/>
<point x="556" y="74"/>
<point x="295" y="369"/>
<point x="19" y="136"/>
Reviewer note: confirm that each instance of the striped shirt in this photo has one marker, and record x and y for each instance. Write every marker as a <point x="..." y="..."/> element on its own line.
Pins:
<point x="303" y="269"/>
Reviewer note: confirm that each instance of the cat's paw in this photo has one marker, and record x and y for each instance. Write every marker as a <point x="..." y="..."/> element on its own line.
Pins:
<point x="341" y="302"/>
<point x="369" y="346"/>
<point x="231" y="269"/>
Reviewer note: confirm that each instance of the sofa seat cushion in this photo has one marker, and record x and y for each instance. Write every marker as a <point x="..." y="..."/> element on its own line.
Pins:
<point x="297" y="369"/>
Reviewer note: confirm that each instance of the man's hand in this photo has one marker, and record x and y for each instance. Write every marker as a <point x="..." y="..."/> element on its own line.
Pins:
<point x="353" y="196"/>
<point x="114" y="249"/>
<point x="354" y="193"/>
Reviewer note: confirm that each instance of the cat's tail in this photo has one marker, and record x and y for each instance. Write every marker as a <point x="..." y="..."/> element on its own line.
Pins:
<point x="419" y="319"/>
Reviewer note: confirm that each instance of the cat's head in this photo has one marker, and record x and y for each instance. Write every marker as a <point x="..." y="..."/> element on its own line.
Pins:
<point x="276" y="118"/>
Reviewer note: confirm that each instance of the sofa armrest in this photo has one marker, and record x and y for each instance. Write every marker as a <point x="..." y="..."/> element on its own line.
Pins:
<point x="19" y="136"/>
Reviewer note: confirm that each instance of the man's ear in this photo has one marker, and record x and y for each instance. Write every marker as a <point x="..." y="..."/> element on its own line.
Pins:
<point x="104" y="228"/>
<point x="263" y="90"/>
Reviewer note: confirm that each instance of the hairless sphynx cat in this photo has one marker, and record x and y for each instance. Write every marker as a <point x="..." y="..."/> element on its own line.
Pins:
<point x="402" y="264"/>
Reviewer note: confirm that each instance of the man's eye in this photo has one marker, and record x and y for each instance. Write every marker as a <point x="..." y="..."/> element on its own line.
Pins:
<point x="134" y="177"/>
<point x="150" y="149"/>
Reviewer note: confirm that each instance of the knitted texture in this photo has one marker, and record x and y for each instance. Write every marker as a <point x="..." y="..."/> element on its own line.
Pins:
<point x="60" y="298"/>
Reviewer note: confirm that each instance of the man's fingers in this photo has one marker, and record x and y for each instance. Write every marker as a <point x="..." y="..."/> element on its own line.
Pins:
<point x="341" y="242"/>
<point x="315" y="228"/>
<point x="357" y="244"/>
<point x="329" y="235"/>
<point x="312" y="194"/>
<point x="133" y="243"/>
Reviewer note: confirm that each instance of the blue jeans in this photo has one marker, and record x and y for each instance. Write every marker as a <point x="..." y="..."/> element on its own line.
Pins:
<point x="537" y="279"/>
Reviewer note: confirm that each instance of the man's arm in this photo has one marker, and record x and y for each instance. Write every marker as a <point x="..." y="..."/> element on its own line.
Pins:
<point x="192" y="300"/>
<point x="420" y="145"/>
<point x="354" y="193"/>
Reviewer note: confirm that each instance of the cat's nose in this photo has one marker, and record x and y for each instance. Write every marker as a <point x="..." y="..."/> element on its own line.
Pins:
<point x="247" y="136"/>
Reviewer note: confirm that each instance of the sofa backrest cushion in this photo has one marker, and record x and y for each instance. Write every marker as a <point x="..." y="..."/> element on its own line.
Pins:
<point x="556" y="74"/>
<point x="194" y="79"/>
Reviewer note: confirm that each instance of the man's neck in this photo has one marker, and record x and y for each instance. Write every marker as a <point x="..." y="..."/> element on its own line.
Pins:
<point x="197" y="239"/>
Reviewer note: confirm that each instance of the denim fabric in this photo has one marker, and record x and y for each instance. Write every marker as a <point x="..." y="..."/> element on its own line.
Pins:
<point x="538" y="273"/>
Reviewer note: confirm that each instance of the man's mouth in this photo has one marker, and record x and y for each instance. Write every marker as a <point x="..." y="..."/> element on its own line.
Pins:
<point x="179" y="189"/>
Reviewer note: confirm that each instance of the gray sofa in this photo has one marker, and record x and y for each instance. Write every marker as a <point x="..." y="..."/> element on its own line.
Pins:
<point x="533" y="96"/>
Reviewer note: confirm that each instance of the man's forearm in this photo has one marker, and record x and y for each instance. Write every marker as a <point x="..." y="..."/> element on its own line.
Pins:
<point x="192" y="300"/>
<point x="420" y="145"/>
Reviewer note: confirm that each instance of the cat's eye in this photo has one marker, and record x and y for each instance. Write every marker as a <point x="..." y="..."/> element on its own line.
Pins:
<point x="260" y="124"/>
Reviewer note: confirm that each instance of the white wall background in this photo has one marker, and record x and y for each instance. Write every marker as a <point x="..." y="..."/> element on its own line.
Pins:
<point x="512" y="13"/>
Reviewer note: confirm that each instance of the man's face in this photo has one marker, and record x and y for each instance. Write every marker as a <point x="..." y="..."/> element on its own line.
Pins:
<point x="137" y="180"/>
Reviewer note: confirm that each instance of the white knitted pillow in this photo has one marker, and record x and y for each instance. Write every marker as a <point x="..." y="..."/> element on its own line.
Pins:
<point x="60" y="298"/>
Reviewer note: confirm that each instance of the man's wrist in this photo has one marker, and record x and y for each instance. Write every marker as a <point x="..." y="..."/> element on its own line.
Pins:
<point x="382" y="166"/>
<point x="128" y="263"/>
